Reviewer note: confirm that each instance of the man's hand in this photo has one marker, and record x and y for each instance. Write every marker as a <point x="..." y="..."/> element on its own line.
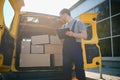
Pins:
<point x="69" y="33"/>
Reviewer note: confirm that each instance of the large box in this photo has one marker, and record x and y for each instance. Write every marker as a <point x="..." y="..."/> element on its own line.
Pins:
<point x="55" y="40"/>
<point x="35" y="60"/>
<point x="53" y="49"/>
<point x="58" y="60"/>
<point x="25" y="47"/>
<point x="37" y="49"/>
<point x="40" y="39"/>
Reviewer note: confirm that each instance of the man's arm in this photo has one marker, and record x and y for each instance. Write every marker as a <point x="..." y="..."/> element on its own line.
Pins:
<point x="81" y="28"/>
<point x="81" y="35"/>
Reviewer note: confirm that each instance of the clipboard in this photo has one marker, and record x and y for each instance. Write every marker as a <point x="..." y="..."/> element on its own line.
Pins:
<point x="61" y="33"/>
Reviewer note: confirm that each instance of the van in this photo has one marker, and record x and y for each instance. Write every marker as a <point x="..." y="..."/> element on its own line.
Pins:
<point x="30" y="48"/>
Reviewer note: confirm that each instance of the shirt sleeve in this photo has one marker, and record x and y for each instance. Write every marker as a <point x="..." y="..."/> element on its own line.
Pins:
<point x="80" y="26"/>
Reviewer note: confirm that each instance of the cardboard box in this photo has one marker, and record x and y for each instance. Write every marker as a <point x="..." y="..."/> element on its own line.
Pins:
<point x="35" y="60"/>
<point x="40" y="39"/>
<point x="55" y="40"/>
<point x="37" y="49"/>
<point x="25" y="47"/>
<point x="53" y="49"/>
<point x="58" y="60"/>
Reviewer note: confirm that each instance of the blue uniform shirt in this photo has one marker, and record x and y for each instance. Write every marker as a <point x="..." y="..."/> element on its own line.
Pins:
<point x="79" y="26"/>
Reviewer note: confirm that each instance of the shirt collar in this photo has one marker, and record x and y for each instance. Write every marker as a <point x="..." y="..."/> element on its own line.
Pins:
<point x="70" y="21"/>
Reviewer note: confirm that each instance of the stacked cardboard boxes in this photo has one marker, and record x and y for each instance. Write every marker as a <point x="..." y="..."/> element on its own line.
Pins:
<point x="58" y="60"/>
<point x="54" y="39"/>
<point x="35" y="60"/>
<point x="40" y="39"/>
<point x="25" y="47"/>
<point x="39" y="51"/>
<point x="55" y="48"/>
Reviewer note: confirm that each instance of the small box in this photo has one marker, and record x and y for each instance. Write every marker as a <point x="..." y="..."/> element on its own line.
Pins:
<point x="35" y="60"/>
<point x="55" y="40"/>
<point x="25" y="47"/>
<point x="58" y="60"/>
<point x="37" y="49"/>
<point x="53" y="49"/>
<point x="40" y="39"/>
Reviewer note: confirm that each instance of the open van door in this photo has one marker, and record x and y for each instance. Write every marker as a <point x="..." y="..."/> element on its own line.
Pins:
<point x="4" y="59"/>
<point x="1" y="18"/>
<point x="91" y="49"/>
<point x="8" y="11"/>
<point x="1" y="28"/>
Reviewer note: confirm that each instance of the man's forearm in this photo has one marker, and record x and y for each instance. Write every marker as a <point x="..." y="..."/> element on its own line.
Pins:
<point x="82" y="35"/>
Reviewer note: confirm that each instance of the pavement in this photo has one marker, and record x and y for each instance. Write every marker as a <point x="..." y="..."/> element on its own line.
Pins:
<point x="107" y="74"/>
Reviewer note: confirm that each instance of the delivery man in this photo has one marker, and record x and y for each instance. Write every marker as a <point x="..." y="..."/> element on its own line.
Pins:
<point x="72" y="51"/>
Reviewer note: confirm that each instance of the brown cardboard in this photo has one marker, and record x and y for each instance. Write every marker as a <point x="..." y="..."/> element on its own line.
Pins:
<point x="58" y="60"/>
<point x="37" y="49"/>
<point x="53" y="49"/>
<point x="34" y="60"/>
<point x="25" y="47"/>
<point x="55" y="40"/>
<point x="40" y="39"/>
